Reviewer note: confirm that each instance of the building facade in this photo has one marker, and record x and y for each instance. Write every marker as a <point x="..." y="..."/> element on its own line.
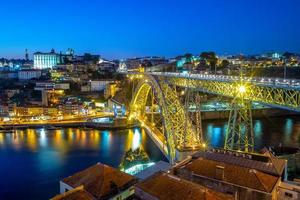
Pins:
<point x="45" y="60"/>
<point x="28" y="74"/>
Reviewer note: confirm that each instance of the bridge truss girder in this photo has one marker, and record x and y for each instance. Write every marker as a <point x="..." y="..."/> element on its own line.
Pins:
<point x="274" y="96"/>
<point x="239" y="134"/>
<point x="178" y="130"/>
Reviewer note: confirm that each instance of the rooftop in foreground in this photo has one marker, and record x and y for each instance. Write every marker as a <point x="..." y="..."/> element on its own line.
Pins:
<point x="75" y="194"/>
<point x="100" y="180"/>
<point x="265" y="162"/>
<point x="256" y="171"/>
<point x="164" y="186"/>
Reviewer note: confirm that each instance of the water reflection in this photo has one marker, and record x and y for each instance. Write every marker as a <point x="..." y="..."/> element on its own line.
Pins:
<point x="64" y="141"/>
<point x="136" y="142"/>
<point x="49" y="155"/>
<point x="43" y="138"/>
<point x="42" y="157"/>
<point x="267" y="132"/>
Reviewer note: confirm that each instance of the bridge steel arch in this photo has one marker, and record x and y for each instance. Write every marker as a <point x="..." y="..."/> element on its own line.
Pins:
<point x="179" y="135"/>
<point x="239" y="135"/>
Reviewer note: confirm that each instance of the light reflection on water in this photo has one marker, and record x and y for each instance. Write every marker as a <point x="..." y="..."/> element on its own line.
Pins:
<point x="40" y="158"/>
<point x="66" y="140"/>
<point x="267" y="132"/>
<point x="33" y="161"/>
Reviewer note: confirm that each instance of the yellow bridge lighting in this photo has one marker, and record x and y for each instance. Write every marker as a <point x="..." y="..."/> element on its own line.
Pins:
<point x="242" y="89"/>
<point x="130" y="117"/>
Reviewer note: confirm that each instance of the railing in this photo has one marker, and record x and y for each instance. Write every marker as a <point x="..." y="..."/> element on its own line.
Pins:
<point x="270" y="82"/>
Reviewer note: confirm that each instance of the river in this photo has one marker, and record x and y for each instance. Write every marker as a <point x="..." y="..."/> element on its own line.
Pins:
<point x="33" y="161"/>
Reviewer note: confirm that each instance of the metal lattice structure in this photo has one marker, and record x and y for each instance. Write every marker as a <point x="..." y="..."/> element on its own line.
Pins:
<point x="280" y="97"/>
<point x="239" y="135"/>
<point x="176" y="134"/>
<point x="193" y="112"/>
<point x="179" y="130"/>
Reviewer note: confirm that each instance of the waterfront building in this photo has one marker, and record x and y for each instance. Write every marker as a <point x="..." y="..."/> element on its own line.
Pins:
<point x="70" y="108"/>
<point x="35" y="111"/>
<point x="27" y="74"/>
<point x="244" y="175"/>
<point x="4" y="110"/>
<point x="101" y="182"/>
<point x="164" y="186"/>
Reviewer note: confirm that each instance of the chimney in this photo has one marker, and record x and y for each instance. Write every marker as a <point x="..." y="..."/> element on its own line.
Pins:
<point x="219" y="172"/>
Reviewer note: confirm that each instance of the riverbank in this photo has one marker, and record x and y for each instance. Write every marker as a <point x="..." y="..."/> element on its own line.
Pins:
<point x="117" y="123"/>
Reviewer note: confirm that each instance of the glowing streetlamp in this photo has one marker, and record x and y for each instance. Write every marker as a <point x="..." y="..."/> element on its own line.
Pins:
<point x="242" y="89"/>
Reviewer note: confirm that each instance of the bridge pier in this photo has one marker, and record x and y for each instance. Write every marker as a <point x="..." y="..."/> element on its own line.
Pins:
<point x="181" y="155"/>
<point x="239" y="135"/>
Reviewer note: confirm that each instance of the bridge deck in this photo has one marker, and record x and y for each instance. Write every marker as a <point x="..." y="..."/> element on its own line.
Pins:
<point x="156" y="137"/>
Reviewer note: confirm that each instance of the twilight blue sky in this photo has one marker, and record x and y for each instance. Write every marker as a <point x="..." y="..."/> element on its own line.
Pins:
<point x="119" y="29"/>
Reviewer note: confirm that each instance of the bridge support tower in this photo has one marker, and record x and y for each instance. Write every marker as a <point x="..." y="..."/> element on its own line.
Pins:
<point x="239" y="135"/>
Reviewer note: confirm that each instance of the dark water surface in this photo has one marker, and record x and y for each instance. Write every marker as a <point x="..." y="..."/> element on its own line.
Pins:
<point x="33" y="161"/>
<point x="267" y="132"/>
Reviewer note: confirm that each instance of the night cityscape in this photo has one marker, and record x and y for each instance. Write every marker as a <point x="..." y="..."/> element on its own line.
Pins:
<point x="150" y="100"/>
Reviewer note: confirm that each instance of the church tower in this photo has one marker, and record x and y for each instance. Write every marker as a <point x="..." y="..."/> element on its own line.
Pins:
<point x="26" y="55"/>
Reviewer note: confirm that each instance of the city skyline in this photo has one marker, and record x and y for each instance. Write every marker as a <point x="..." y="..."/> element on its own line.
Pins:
<point x="120" y="30"/>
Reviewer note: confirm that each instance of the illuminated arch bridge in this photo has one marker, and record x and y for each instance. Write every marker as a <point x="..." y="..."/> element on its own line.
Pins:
<point x="156" y="103"/>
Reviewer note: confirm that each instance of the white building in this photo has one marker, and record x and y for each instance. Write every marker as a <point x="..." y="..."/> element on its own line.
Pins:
<point x="289" y="190"/>
<point x="45" y="60"/>
<point x="99" y="85"/>
<point x="27" y="74"/>
<point x="51" y="86"/>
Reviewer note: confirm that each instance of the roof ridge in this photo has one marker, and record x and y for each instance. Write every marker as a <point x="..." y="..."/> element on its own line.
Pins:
<point x="259" y="179"/>
<point x="103" y="166"/>
<point x="276" y="163"/>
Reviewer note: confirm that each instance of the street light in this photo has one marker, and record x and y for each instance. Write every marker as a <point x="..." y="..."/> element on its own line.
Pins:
<point x="242" y="89"/>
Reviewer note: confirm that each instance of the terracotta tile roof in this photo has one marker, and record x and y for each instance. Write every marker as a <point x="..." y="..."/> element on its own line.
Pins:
<point x="75" y="194"/>
<point x="233" y="174"/>
<point x="278" y="164"/>
<point x="101" y="180"/>
<point x="164" y="186"/>
<point x="262" y="162"/>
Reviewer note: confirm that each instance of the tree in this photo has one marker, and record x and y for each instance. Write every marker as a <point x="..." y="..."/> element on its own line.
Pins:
<point x="210" y="58"/>
<point x="287" y="55"/>
<point x="19" y="99"/>
<point x="188" y="57"/>
<point x="224" y="63"/>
